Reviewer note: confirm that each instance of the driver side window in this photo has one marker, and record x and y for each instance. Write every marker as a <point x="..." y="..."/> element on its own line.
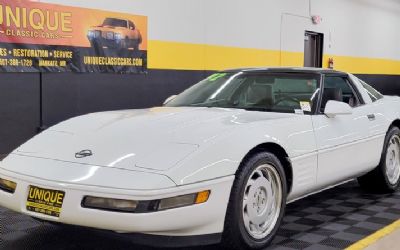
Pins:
<point x="338" y="88"/>
<point x="284" y="93"/>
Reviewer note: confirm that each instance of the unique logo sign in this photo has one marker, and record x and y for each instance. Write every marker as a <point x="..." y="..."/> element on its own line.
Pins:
<point x="46" y="37"/>
<point x="31" y="22"/>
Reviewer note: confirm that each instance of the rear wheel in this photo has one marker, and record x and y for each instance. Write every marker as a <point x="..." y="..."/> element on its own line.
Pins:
<point x="135" y="45"/>
<point x="257" y="203"/>
<point x="386" y="177"/>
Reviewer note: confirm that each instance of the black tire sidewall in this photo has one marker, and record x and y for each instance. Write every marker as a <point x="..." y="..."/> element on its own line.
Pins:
<point x="240" y="234"/>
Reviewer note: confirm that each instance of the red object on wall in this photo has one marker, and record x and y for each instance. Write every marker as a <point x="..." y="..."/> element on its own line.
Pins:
<point x="331" y="63"/>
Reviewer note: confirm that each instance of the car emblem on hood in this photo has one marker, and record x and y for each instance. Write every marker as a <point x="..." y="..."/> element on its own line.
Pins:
<point x="84" y="153"/>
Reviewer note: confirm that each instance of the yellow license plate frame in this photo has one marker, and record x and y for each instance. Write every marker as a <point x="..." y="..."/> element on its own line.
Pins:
<point x="45" y="201"/>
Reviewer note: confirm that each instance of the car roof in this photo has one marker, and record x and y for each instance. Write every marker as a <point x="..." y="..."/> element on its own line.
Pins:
<point x="117" y="18"/>
<point x="286" y="70"/>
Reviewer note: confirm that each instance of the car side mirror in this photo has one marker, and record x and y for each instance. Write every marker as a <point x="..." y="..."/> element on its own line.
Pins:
<point x="334" y="108"/>
<point x="132" y="28"/>
<point x="172" y="97"/>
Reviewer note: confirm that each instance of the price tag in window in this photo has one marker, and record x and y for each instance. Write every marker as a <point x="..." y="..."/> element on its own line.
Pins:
<point x="299" y="112"/>
<point x="305" y="106"/>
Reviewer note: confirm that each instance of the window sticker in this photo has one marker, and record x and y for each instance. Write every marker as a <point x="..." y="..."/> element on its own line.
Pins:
<point x="216" y="76"/>
<point x="305" y="106"/>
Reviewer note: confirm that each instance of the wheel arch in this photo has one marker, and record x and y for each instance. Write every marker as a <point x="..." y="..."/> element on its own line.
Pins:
<point x="395" y="123"/>
<point x="279" y="152"/>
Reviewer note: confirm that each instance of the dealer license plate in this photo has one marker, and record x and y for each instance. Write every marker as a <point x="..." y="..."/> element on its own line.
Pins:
<point x="45" y="201"/>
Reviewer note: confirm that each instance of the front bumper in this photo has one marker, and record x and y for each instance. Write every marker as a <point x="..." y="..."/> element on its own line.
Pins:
<point x="203" y="219"/>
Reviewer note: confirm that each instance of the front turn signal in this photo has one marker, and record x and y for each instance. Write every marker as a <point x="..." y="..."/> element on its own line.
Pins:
<point x="202" y="197"/>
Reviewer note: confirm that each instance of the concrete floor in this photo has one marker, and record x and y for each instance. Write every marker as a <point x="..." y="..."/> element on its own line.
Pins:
<point x="388" y="242"/>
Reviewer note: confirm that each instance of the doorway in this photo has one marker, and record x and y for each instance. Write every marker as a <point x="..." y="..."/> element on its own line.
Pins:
<point x="313" y="49"/>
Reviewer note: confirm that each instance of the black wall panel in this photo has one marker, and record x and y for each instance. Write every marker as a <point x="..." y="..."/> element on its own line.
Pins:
<point x="67" y="95"/>
<point x="387" y="84"/>
<point x="19" y="109"/>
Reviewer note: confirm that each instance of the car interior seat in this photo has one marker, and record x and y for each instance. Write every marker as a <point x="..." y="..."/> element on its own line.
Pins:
<point x="331" y="94"/>
<point x="260" y="95"/>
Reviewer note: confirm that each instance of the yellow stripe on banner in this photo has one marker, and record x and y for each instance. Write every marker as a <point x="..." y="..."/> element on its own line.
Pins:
<point x="375" y="236"/>
<point x="187" y="56"/>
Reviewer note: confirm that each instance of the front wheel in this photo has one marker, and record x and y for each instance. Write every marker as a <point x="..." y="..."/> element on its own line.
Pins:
<point x="386" y="177"/>
<point x="124" y="44"/>
<point x="257" y="203"/>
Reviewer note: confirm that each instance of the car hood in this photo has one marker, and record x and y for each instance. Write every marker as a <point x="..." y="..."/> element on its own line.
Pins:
<point x="135" y="139"/>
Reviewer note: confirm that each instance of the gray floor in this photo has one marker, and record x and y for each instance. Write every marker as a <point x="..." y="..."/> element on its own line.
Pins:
<point x="333" y="219"/>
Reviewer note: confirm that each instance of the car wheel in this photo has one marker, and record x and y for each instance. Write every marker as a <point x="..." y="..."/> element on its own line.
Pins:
<point x="124" y="44"/>
<point x="386" y="177"/>
<point x="257" y="203"/>
<point x="135" y="44"/>
<point x="97" y="45"/>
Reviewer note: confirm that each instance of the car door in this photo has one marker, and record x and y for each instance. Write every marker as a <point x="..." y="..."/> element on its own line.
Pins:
<point x="344" y="147"/>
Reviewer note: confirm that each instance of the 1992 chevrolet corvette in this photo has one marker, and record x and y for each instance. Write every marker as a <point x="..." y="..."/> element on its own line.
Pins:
<point x="217" y="163"/>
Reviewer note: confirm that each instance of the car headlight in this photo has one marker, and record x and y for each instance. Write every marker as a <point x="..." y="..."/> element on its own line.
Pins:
<point x="91" y="34"/>
<point x="110" y="35"/>
<point x="131" y="206"/>
<point x="118" y="36"/>
<point x="109" y="204"/>
<point x="7" y="186"/>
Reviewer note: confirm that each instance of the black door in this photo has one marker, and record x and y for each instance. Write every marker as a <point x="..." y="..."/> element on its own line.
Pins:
<point x="313" y="49"/>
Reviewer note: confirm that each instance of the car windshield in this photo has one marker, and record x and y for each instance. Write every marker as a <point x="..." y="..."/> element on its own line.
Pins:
<point x="272" y="92"/>
<point x="114" y="22"/>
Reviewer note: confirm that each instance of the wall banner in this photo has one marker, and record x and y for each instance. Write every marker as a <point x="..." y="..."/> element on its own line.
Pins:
<point x="41" y="37"/>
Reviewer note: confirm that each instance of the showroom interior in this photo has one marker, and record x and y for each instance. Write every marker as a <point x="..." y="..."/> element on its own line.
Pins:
<point x="177" y="44"/>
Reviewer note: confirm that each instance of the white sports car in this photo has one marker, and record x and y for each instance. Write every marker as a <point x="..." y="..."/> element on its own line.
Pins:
<point x="217" y="163"/>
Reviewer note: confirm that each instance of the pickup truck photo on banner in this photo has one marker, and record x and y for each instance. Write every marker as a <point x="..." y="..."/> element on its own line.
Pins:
<point x="41" y="37"/>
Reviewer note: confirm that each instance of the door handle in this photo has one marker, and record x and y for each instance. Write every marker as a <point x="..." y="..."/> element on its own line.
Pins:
<point x="371" y="117"/>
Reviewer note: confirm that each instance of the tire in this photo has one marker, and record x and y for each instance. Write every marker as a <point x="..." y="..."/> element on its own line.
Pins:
<point x="135" y="45"/>
<point x="96" y="44"/>
<point x="249" y="197"/>
<point x="386" y="176"/>
<point x="124" y="44"/>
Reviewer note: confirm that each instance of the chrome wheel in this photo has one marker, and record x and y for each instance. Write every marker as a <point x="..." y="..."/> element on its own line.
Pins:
<point x="262" y="201"/>
<point x="393" y="160"/>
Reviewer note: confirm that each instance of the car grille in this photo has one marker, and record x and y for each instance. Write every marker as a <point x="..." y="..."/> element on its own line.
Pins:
<point x="110" y="35"/>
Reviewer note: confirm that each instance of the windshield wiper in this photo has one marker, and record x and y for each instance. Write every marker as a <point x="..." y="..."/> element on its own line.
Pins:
<point x="209" y="104"/>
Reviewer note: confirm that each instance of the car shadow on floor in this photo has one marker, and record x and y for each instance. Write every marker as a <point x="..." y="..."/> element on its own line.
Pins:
<point x="333" y="219"/>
